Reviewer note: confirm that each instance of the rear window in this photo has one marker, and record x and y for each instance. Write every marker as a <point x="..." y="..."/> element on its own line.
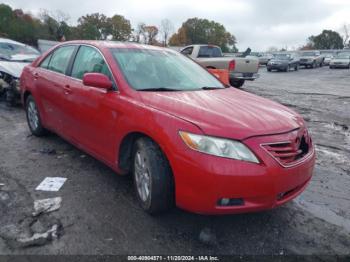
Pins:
<point x="209" y="51"/>
<point x="60" y="59"/>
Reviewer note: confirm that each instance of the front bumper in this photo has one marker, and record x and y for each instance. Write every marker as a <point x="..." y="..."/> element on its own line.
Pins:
<point x="277" y="66"/>
<point x="244" y="76"/>
<point x="306" y="63"/>
<point x="339" y="65"/>
<point x="202" y="180"/>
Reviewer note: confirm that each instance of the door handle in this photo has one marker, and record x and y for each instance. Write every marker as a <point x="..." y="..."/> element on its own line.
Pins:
<point x="36" y="76"/>
<point x="67" y="89"/>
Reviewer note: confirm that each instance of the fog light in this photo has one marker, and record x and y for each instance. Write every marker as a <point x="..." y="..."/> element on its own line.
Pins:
<point x="231" y="202"/>
<point x="225" y="202"/>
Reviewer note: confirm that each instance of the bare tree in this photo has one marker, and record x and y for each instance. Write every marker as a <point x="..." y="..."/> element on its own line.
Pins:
<point x="139" y="33"/>
<point x="166" y="28"/>
<point x="346" y="36"/>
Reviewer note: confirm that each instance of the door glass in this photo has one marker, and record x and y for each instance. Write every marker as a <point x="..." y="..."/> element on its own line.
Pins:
<point x="45" y="63"/>
<point x="89" y="60"/>
<point x="60" y="59"/>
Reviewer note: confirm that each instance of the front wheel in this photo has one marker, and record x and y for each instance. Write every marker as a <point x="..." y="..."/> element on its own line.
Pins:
<point x="296" y="68"/>
<point x="33" y="117"/>
<point x="152" y="176"/>
<point x="236" y="83"/>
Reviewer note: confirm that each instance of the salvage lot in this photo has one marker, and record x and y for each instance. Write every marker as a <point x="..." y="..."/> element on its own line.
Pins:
<point x="99" y="213"/>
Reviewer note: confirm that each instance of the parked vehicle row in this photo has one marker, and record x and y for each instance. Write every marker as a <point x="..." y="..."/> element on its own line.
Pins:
<point x="309" y="59"/>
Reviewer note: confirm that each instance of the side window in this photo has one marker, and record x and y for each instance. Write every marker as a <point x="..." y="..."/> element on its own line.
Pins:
<point x="187" y="51"/>
<point x="89" y="60"/>
<point x="60" y="59"/>
<point x="46" y="61"/>
<point x="209" y="51"/>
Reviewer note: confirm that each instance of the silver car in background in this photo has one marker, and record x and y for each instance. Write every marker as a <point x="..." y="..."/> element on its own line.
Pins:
<point x="341" y="60"/>
<point x="14" y="56"/>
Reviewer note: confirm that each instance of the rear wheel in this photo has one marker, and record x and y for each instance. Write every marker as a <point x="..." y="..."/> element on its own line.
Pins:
<point x="269" y="69"/>
<point x="236" y="83"/>
<point x="33" y="117"/>
<point x="152" y="176"/>
<point x="296" y="68"/>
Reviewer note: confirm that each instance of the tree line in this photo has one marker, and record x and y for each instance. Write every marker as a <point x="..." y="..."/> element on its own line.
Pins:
<point x="27" y="28"/>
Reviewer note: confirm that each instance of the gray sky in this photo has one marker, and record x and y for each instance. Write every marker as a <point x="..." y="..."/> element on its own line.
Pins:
<point x="258" y="24"/>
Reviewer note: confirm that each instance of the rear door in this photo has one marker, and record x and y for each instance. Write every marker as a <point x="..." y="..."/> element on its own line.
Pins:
<point x="50" y="81"/>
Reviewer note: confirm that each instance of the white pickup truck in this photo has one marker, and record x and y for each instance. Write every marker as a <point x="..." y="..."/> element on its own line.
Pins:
<point x="210" y="56"/>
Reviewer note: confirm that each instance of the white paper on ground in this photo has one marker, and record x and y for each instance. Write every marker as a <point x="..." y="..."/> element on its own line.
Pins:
<point x="51" y="184"/>
<point x="46" y="205"/>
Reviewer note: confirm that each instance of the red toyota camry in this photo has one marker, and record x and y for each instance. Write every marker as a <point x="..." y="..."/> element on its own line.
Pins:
<point x="187" y="139"/>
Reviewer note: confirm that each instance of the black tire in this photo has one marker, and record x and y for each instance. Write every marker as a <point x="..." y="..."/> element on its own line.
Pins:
<point x="236" y="83"/>
<point x="36" y="129"/>
<point x="161" y="194"/>
<point x="10" y="98"/>
<point x="296" y="68"/>
<point x="269" y="69"/>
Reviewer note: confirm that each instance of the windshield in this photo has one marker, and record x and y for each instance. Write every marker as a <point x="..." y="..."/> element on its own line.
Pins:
<point x="281" y="57"/>
<point x="162" y="69"/>
<point x="308" y="54"/>
<point x="13" y="51"/>
<point x="343" y="56"/>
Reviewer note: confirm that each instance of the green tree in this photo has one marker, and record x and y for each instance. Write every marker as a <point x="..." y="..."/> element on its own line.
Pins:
<point x="93" y="26"/>
<point x="203" y="31"/>
<point x="119" y="27"/>
<point x="328" y="39"/>
<point x="6" y="18"/>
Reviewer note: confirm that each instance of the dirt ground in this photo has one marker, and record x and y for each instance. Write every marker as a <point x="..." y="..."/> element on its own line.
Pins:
<point x="99" y="213"/>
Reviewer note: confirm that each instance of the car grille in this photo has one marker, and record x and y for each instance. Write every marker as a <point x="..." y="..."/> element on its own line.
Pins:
<point x="303" y="60"/>
<point x="289" y="153"/>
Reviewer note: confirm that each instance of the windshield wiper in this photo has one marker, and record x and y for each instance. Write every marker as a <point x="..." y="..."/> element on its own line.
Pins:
<point x="158" y="89"/>
<point x="210" y="87"/>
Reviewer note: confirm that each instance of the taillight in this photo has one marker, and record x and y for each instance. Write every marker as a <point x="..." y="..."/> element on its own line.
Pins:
<point x="232" y="65"/>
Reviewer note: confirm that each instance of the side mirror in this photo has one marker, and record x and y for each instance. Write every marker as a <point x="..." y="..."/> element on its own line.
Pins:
<point x="97" y="80"/>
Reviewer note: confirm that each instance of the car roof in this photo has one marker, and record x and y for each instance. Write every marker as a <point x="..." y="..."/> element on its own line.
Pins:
<point x="6" y="40"/>
<point x="115" y="44"/>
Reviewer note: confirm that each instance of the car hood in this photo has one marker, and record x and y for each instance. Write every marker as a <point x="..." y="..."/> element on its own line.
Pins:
<point x="227" y="112"/>
<point x="12" y="68"/>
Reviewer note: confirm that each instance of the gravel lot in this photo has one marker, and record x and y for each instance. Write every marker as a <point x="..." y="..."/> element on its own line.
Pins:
<point x="99" y="213"/>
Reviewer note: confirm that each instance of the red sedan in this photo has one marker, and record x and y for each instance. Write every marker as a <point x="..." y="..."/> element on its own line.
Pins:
<point x="187" y="139"/>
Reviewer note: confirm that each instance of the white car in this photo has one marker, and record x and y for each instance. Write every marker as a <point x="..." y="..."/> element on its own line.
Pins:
<point x="14" y="56"/>
<point x="342" y="60"/>
<point x="327" y="59"/>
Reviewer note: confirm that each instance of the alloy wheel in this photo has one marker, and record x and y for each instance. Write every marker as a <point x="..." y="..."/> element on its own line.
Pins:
<point x="33" y="115"/>
<point x="142" y="176"/>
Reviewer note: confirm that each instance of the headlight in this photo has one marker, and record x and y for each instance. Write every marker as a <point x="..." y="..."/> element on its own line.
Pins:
<point x="16" y="84"/>
<point x="218" y="147"/>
